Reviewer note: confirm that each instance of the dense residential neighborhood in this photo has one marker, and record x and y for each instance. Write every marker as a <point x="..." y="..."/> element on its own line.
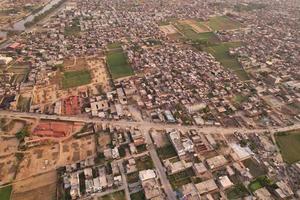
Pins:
<point x="157" y="99"/>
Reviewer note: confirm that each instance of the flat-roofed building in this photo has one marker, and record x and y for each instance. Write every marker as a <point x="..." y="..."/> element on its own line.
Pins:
<point x="216" y="162"/>
<point x="190" y="192"/>
<point x="175" y="140"/>
<point x="225" y="182"/>
<point x="206" y="186"/>
<point x="263" y="194"/>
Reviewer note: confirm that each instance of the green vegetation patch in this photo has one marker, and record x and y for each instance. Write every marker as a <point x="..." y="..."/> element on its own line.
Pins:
<point x="237" y="192"/>
<point x="5" y="192"/>
<point x="76" y="78"/>
<point x="118" y="64"/>
<point x="255" y="169"/>
<point x="138" y="196"/>
<point x="115" y="45"/>
<point x="141" y="148"/>
<point x="223" y="23"/>
<point x="166" y="152"/>
<point x="133" y="177"/>
<point x="23" y="103"/>
<point x="20" y="73"/>
<point x="143" y="163"/>
<point x="289" y="145"/>
<point x="259" y="182"/>
<point x="189" y="34"/>
<point x="221" y="53"/>
<point x="73" y="29"/>
<point x="181" y="178"/>
<point x="120" y="195"/>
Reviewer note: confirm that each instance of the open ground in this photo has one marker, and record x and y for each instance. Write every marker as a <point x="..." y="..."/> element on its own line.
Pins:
<point x="118" y="64"/>
<point x="37" y="187"/>
<point x="289" y="145"/>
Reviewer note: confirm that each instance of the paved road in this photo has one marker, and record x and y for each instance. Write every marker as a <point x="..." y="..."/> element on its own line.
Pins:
<point x="124" y="179"/>
<point x="144" y="124"/>
<point x="160" y="169"/>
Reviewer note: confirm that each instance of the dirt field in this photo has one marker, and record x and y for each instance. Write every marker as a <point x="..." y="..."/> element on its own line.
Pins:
<point x="75" y="64"/>
<point x="168" y="29"/>
<point x="8" y="145"/>
<point x="11" y="127"/>
<point x="104" y="140"/>
<point x="37" y="187"/>
<point x="99" y="75"/>
<point x="8" y="167"/>
<point x="73" y="150"/>
<point x="38" y="160"/>
<point x="44" y="95"/>
<point x="199" y="28"/>
<point x="160" y="138"/>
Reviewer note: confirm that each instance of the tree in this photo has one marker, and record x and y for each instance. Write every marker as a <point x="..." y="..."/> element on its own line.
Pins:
<point x="22" y="134"/>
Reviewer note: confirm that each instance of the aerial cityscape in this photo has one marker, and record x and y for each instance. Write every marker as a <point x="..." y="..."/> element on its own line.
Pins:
<point x="149" y="99"/>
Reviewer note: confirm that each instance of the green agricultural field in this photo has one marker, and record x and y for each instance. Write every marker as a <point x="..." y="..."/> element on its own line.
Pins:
<point x="222" y="23"/>
<point x="5" y="193"/>
<point x="289" y="145"/>
<point x="190" y="34"/>
<point x="221" y="53"/>
<point x="115" y="45"/>
<point x="118" y="64"/>
<point x="72" y="79"/>
<point x="186" y="30"/>
<point x="120" y="195"/>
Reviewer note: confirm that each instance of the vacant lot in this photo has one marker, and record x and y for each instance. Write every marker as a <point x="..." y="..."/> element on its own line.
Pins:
<point x="186" y="30"/>
<point x="254" y="168"/>
<point x="259" y="182"/>
<point x="144" y="163"/>
<point x="73" y="29"/>
<point x="38" y="160"/>
<point x="289" y="145"/>
<point x="36" y="187"/>
<point x="197" y="26"/>
<point x="20" y="73"/>
<point x="181" y="178"/>
<point x="221" y="53"/>
<point x="118" y="64"/>
<point x="138" y="196"/>
<point x="222" y="23"/>
<point x="114" y="196"/>
<point x="74" y="150"/>
<point x="23" y="103"/>
<point x="166" y="152"/>
<point x="115" y="45"/>
<point x="168" y="29"/>
<point x="133" y="177"/>
<point x="75" y="78"/>
<point x="237" y="192"/>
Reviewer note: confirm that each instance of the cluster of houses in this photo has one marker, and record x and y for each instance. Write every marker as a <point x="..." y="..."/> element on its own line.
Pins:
<point x="84" y="178"/>
<point x="221" y="170"/>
